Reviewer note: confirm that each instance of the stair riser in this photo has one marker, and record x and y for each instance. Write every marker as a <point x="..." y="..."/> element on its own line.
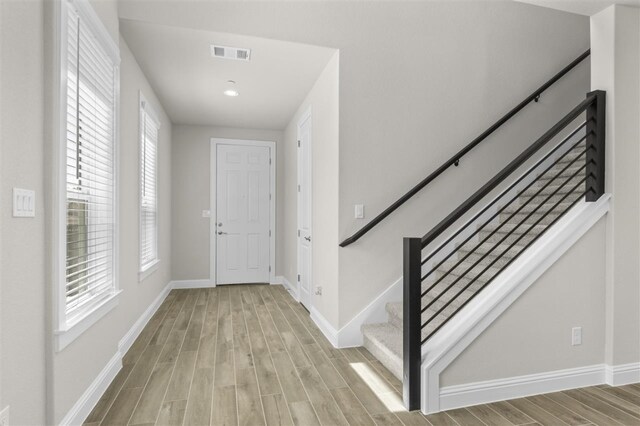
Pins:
<point x="394" y="366"/>
<point x="442" y="285"/>
<point x="533" y="206"/>
<point x="397" y="321"/>
<point x="509" y="238"/>
<point x="536" y="201"/>
<point x="556" y="189"/>
<point x="538" y="218"/>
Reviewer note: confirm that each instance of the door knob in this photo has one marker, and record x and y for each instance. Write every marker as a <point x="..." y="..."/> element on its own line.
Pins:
<point x="308" y="238"/>
<point x="220" y="233"/>
<point x="220" y="224"/>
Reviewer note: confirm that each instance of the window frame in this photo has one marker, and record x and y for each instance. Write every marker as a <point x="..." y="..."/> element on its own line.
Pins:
<point x="68" y="327"/>
<point x="145" y="270"/>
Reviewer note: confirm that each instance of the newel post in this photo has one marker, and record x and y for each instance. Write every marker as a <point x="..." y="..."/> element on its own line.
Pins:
<point x="596" y="119"/>
<point x="412" y="326"/>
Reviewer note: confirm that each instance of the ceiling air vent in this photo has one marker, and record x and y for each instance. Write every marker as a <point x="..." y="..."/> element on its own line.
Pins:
<point x="226" y="52"/>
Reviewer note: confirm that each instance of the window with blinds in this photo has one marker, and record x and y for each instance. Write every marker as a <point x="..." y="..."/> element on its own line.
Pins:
<point x="91" y="84"/>
<point x="149" y="128"/>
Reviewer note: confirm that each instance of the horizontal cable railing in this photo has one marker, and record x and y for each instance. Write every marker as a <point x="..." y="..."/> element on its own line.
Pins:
<point x="455" y="159"/>
<point x="439" y="285"/>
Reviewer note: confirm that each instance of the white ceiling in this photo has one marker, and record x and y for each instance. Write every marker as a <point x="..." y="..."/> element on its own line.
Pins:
<point x="190" y="82"/>
<point x="581" y="7"/>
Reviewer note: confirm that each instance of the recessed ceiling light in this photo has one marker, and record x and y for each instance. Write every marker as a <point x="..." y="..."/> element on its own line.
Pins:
<point x="231" y="89"/>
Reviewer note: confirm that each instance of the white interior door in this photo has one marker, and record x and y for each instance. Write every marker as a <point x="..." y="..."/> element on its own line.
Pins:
<point x="242" y="214"/>
<point x="304" y="212"/>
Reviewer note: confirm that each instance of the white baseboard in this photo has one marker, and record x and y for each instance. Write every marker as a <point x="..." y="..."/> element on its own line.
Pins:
<point x="293" y="290"/>
<point x="623" y="374"/>
<point x="277" y="280"/>
<point x="184" y="284"/>
<point x="82" y="408"/>
<point x="506" y="288"/>
<point x="135" y="330"/>
<point x="351" y="334"/>
<point x="327" y="329"/>
<point x="517" y="387"/>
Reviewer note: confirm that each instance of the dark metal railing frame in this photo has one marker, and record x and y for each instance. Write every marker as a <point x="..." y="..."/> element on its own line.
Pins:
<point x="455" y="159"/>
<point x="594" y="181"/>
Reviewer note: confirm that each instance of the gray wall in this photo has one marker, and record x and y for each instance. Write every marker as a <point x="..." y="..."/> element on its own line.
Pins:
<point x="410" y="96"/>
<point x="534" y="334"/>
<point x="72" y="370"/>
<point x="323" y="100"/>
<point x="191" y="183"/>
<point x="616" y="69"/>
<point x="22" y="273"/>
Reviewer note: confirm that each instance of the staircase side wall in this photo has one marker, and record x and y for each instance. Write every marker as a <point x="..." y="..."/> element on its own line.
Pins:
<point x="534" y="334"/>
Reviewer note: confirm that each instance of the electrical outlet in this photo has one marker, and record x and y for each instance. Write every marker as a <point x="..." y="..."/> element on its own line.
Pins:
<point x="4" y="416"/>
<point x="318" y="291"/>
<point x="576" y="336"/>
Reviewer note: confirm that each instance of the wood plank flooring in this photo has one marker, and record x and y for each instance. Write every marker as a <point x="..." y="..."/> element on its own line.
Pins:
<point x="250" y="355"/>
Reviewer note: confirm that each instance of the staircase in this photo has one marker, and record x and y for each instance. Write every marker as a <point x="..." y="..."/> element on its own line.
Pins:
<point x="473" y="264"/>
<point x="452" y="288"/>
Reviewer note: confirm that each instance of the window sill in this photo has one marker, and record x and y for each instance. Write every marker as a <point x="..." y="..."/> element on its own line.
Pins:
<point x="64" y="337"/>
<point x="148" y="270"/>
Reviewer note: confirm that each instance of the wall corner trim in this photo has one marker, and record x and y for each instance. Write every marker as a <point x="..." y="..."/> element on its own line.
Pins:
<point x="622" y="374"/>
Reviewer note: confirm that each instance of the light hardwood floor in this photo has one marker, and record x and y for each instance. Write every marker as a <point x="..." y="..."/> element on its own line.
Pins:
<point x="250" y="355"/>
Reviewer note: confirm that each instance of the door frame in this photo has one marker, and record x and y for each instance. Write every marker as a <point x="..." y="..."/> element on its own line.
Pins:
<point x="306" y="116"/>
<point x="213" y="199"/>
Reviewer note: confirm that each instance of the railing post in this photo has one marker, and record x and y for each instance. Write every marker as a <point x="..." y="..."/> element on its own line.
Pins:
<point x="596" y="119"/>
<point x="411" y="327"/>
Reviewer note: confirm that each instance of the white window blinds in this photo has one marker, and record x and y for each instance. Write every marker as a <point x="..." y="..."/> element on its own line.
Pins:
<point x="90" y="173"/>
<point x="149" y="128"/>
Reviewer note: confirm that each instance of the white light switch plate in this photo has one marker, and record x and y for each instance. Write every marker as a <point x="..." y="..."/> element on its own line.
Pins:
<point x="206" y="213"/>
<point x="359" y="213"/>
<point x="24" y="203"/>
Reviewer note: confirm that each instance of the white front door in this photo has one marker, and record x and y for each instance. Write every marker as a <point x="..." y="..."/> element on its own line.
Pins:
<point x="242" y="214"/>
<point x="304" y="211"/>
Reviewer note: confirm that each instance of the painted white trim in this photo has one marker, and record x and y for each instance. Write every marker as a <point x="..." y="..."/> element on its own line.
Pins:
<point x="148" y="270"/>
<point x="183" y="284"/>
<point x="146" y="109"/>
<point x="520" y="386"/>
<point x="127" y="340"/>
<point x="88" y="400"/>
<point x="82" y="408"/>
<point x="73" y="329"/>
<point x="293" y="290"/>
<point x="277" y="280"/>
<point x="350" y="335"/>
<point x="623" y="374"/>
<point x="488" y="305"/>
<point x="304" y="118"/>
<point x="212" y="202"/>
<point x="67" y="329"/>
<point x="325" y="326"/>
